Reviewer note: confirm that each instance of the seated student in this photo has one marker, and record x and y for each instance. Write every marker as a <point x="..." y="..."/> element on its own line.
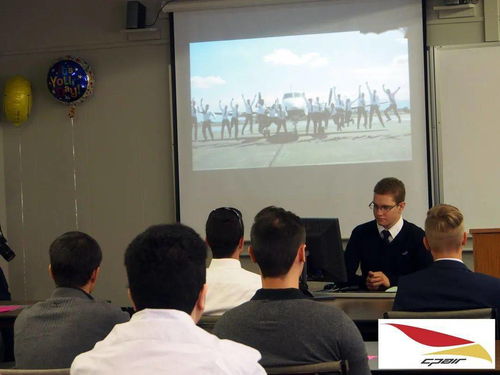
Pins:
<point x="388" y="246"/>
<point x="287" y="327"/>
<point x="229" y="285"/>
<point x="447" y="284"/>
<point x="166" y="275"/>
<point x="51" y="333"/>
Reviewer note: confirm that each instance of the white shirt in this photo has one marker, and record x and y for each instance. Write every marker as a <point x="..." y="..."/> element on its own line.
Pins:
<point x="157" y="341"/>
<point x="454" y="259"/>
<point x="229" y="285"/>
<point x="394" y="230"/>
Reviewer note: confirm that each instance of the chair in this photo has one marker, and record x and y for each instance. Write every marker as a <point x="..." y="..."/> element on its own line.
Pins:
<point x="58" y="371"/>
<point x="333" y="367"/>
<point x="485" y="313"/>
<point x="207" y="322"/>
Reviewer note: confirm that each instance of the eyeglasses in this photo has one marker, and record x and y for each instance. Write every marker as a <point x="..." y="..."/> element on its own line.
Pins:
<point x="376" y="207"/>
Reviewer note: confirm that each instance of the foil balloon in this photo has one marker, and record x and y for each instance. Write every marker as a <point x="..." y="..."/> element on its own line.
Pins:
<point x="70" y="80"/>
<point x="17" y="100"/>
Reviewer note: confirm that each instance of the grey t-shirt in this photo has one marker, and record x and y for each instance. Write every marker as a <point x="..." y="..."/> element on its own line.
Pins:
<point x="289" y="328"/>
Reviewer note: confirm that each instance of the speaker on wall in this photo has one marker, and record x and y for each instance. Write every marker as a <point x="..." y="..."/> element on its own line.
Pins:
<point x="136" y="15"/>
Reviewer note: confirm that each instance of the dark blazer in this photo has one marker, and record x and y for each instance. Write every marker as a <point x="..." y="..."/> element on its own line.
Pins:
<point x="447" y="285"/>
<point x="51" y="333"/>
<point x="405" y="254"/>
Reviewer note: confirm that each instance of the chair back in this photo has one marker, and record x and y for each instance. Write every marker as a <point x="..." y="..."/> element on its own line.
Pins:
<point x="13" y="371"/>
<point x="486" y="313"/>
<point x="332" y="367"/>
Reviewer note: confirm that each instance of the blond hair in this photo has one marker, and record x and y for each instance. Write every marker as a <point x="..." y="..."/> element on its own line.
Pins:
<point x="444" y="227"/>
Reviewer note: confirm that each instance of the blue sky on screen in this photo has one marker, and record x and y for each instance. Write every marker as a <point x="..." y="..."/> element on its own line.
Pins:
<point x="312" y="64"/>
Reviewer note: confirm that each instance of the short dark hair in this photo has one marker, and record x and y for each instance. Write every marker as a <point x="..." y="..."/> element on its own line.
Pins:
<point x="276" y="236"/>
<point x="224" y="229"/>
<point x="166" y="267"/>
<point x="392" y="186"/>
<point x="73" y="258"/>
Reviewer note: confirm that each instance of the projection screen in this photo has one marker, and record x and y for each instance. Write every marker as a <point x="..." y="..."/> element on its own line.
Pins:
<point x="304" y="106"/>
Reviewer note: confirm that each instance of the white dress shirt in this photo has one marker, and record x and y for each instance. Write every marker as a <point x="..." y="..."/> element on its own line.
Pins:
<point x="157" y="341"/>
<point x="229" y="285"/>
<point x="394" y="230"/>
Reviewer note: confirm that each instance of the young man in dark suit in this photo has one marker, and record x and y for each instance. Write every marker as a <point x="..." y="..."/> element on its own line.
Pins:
<point x="388" y="246"/>
<point x="447" y="284"/>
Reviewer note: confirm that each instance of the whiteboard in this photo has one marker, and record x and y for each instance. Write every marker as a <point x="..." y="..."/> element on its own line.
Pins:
<point x="467" y="103"/>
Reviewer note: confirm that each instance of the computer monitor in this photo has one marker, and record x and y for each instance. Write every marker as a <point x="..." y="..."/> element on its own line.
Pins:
<point x="325" y="255"/>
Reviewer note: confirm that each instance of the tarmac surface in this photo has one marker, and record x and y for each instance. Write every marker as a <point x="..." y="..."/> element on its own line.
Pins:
<point x="296" y="148"/>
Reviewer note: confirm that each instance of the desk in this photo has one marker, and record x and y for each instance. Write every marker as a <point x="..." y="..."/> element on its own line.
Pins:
<point x="372" y="350"/>
<point x="365" y="312"/>
<point x="7" y="318"/>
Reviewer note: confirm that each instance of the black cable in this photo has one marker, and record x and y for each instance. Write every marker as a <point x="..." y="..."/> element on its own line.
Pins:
<point x="158" y="14"/>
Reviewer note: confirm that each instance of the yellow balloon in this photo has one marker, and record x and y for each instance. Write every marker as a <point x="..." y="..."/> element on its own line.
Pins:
<point x="17" y="100"/>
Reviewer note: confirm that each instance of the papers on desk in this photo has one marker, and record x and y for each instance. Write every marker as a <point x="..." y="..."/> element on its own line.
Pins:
<point x="8" y="308"/>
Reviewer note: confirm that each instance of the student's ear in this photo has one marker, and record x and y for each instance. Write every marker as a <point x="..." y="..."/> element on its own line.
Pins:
<point x="50" y="272"/>
<point x="199" y="306"/>
<point x="464" y="239"/>
<point x="202" y="296"/>
<point x="426" y="243"/>
<point x="95" y="274"/>
<point x="131" y="299"/>
<point x="301" y="253"/>
<point x="251" y="253"/>
<point x="241" y="243"/>
<point x="402" y="205"/>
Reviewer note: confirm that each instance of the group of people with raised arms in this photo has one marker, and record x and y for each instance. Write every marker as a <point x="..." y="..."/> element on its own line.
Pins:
<point x="339" y="109"/>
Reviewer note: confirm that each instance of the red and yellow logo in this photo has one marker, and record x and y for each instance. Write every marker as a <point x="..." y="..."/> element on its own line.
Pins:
<point x="436" y="339"/>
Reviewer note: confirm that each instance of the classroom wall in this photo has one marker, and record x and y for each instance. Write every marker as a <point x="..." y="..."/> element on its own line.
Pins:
<point x="121" y="135"/>
<point x="121" y="139"/>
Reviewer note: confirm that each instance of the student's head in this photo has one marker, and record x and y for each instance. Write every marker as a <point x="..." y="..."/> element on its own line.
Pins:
<point x="388" y="201"/>
<point x="224" y="232"/>
<point x="75" y="258"/>
<point x="166" y="269"/>
<point x="444" y="229"/>
<point x="276" y="237"/>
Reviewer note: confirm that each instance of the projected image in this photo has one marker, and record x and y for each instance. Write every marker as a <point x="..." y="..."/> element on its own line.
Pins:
<point x="300" y="100"/>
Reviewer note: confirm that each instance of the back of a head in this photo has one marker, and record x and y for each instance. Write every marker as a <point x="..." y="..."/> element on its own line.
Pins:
<point x="166" y="267"/>
<point x="276" y="236"/>
<point x="391" y="186"/>
<point x="444" y="228"/>
<point x="224" y="229"/>
<point x="73" y="258"/>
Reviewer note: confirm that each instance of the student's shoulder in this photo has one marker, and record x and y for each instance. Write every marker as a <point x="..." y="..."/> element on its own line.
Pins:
<point x="413" y="229"/>
<point x="369" y="226"/>
<point x="487" y="280"/>
<point x="106" y="309"/>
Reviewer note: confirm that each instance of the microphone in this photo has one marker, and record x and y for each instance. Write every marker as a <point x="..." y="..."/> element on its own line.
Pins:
<point x="5" y="250"/>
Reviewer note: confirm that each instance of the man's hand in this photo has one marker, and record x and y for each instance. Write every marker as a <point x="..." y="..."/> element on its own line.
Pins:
<point x="376" y="279"/>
